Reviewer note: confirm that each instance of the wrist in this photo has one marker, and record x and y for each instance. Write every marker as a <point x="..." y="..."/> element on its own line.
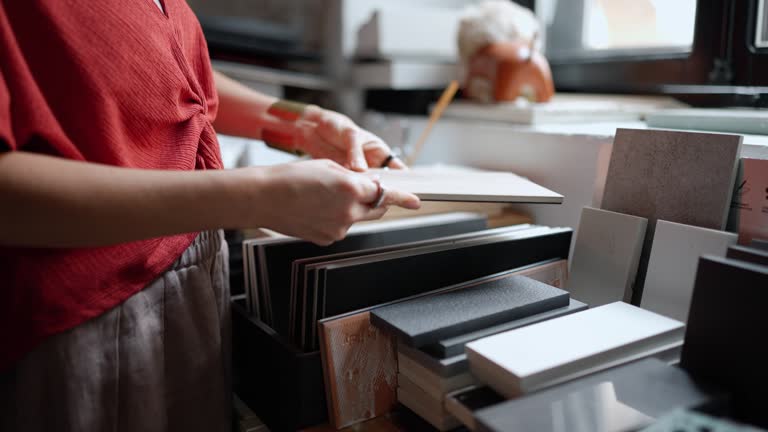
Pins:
<point x="283" y="135"/>
<point x="238" y="198"/>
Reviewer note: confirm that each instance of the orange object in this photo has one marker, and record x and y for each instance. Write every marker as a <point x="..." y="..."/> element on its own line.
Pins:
<point x="504" y="71"/>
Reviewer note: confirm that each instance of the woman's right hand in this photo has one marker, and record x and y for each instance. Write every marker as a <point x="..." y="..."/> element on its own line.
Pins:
<point x="319" y="200"/>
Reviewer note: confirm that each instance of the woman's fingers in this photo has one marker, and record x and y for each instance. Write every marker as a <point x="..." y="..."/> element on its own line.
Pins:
<point x="327" y="134"/>
<point x="369" y="214"/>
<point x="400" y="198"/>
<point x="353" y="143"/>
<point x="369" y="189"/>
<point x="375" y="198"/>
<point x="338" y="131"/>
<point x="377" y="152"/>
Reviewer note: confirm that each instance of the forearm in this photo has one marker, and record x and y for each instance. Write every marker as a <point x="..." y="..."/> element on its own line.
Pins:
<point x="242" y="110"/>
<point x="53" y="202"/>
<point x="300" y="128"/>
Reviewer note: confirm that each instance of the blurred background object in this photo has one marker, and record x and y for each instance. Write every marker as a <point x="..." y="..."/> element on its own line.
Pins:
<point x="499" y="46"/>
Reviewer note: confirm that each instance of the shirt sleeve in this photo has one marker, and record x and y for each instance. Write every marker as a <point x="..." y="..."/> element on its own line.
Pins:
<point x="7" y="141"/>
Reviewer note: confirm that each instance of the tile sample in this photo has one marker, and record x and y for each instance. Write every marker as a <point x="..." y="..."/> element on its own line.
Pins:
<point x="759" y="244"/>
<point x="725" y="336"/>
<point x="748" y="254"/>
<point x="429" y="319"/>
<point x="672" y="266"/>
<point x="619" y="399"/>
<point x="360" y="369"/>
<point x="277" y="257"/>
<point x="534" y="357"/>
<point x="682" y="177"/>
<point x="605" y="256"/>
<point x="390" y="276"/>
<point x="432" y="383"/>
<point x="462" y="404"/>
<point x="453" y="183"/>
<point x="455" y="346"/>
<point x="753" y="200"/>
<point x="426" y="406"/>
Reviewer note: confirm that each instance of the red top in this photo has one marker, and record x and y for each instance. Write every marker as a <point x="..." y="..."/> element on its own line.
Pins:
<point x="110" y="81"/>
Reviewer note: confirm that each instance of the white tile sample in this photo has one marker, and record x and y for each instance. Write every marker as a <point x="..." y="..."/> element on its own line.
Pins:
<point x="455" y="183"/>
<point x="672" y="266"/>
<point x="605" y="256"/>
<point x="558" y="350"/>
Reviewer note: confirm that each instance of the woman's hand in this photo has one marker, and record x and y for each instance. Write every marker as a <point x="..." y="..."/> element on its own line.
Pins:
<point x="321" y="133"/>
<point x="327" y="134"/>
<point x="319" y="200"/>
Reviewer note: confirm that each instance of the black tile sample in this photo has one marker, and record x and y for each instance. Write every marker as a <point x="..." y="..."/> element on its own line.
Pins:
<point x="478" y="398"/>
<point x="310" y="273"/>
<point x="358" y="286"/>
<point x="759" y="244"/>
<point x="306" y="280"/>
<point x="279" y="256"/>
<point x="725" y="338"/>
<point x="748" y="254"/>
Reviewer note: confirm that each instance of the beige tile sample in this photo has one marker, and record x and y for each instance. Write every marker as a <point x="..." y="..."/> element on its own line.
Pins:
<point x="452" y="183"/>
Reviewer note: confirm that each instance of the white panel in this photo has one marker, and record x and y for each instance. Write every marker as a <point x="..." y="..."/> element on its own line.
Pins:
<point x="532" y="357"/>
<point x="672" y="267"/>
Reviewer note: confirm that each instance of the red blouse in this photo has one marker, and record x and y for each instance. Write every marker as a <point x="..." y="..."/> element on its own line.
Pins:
<point x="110" y="81"/>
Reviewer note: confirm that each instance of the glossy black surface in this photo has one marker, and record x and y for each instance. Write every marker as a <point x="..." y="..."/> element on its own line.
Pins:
<point x="621" y="399"/>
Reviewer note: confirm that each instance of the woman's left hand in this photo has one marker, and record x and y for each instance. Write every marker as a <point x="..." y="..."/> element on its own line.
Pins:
<point x="325" y="134"/>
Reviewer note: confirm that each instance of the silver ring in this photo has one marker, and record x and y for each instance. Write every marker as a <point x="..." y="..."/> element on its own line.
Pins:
<point x="379" y="195"/>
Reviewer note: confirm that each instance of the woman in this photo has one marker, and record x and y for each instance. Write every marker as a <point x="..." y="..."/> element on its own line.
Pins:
<point x="112" y="272"/>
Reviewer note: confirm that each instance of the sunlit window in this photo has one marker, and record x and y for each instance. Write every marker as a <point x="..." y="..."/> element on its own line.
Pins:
<point x="761" y="35"/>
<point x="589" y="28"/>
<point x="613" y="24"/>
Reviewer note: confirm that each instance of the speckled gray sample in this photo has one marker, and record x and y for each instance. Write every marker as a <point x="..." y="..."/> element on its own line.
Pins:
<point x="429" y="319"/>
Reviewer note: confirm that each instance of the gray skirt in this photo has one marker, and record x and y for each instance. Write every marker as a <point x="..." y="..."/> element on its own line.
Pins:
<point x="160" y="361"/>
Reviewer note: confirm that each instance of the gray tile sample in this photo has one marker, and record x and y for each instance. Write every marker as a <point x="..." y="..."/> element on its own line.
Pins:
<point x="682" y="177"/>
<point x="426" y="320"/>
<point x="672" y="267"/>
<point x="605" y="256"/>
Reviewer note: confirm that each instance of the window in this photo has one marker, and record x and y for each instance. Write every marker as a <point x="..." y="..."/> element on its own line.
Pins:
<point x="761" y="21"/>
<point x="699" y="48"/>
<point x="589" y="29"/>
<point x="637" y="24"/>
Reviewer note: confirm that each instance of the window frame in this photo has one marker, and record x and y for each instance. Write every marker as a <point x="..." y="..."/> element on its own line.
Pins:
<point x="652" y="71"/>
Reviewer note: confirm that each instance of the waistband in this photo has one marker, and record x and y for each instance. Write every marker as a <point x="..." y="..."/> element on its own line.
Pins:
<point x="205" y="246"/>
